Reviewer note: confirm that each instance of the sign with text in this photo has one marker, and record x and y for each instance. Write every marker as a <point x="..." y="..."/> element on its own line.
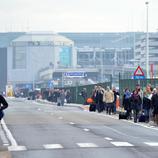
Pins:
<point x="139" y="74"/>
<point x="74" y="74"/>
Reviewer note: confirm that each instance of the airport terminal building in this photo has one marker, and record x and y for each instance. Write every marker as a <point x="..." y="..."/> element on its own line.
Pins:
<point x="31" y="52"/>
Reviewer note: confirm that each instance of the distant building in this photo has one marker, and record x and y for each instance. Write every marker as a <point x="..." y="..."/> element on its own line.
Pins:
<point x="31" y="52"/>
<point x="5" y="39"/>
<point x="104" y="39"/>
<point x="112" y="53"/>
<point x="140" y="52"/>
<point x="67" y="77"/>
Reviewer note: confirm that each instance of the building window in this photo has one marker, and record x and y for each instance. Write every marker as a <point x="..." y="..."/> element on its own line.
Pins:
<point x="19" y="57"/>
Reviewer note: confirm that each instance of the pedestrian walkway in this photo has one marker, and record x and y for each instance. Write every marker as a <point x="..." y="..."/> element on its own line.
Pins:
<point x="91" y="145"/>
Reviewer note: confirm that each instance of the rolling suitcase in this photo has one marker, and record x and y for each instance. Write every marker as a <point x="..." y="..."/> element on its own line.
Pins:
<point x="141" y="117"/>
<point x="92" y="107"/>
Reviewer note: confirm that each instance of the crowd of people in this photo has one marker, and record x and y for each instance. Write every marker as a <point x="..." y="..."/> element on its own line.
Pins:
<point x="59" y="96"/>
<point x="104" y="99"/>
<point x="139" y="102"/>
<point x="136" y="103"/>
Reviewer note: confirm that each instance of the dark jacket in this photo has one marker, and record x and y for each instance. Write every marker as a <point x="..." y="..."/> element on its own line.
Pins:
<point x="136" y="102"/>
<point x="154" y="102"/>
<point x="115" y="95"/>
<point x="3" y="103"/>
<point x="146" y="103"/>
<point x="126" y="102"/>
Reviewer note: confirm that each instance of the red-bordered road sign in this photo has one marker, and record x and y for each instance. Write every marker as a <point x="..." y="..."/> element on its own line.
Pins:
<point x="139" y="72"/>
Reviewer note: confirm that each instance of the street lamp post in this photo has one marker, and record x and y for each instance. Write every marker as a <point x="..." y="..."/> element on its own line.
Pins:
<point x="147" y="41"/>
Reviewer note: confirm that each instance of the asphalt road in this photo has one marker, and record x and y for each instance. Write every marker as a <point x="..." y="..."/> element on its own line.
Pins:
<point x="33" y="130"/>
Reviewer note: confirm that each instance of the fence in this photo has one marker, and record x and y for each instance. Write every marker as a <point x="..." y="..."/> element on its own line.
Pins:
<point x="75" y="91"/>
<point x="131" y="83"/>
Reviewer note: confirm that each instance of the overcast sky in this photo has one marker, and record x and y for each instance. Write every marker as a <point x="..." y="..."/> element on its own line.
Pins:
<point x="77" y="15"/>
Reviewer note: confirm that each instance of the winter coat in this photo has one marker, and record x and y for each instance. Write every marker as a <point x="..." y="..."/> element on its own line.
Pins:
<point x="99" y="97"/>
<point x="146" y="103"/>
<point x="136" y="102"/>
<point x="3" y="103"/>
<point x="109" y="96"/>
<point x="154" y="102"/>
<point x="127" y="101"/>
<point x="115" y="95"/>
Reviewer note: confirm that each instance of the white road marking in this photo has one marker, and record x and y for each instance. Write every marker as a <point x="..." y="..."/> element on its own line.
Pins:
<point x="9" y="135"/>
<point x="6" y="144"/>
<point x="17" y="148"/>
<point x="121" y="144"/>
<point x="3" y="137"/>
<point x="71" y="123"/>
<point x="107" y="138"/>
<point x="86" y="129"/>
<point x="53" y="146"/>
<point x="39" y="109"/>
<point x="14" y="146"/>
<point x="151" y="143"/>
<point x="87" y="145"/>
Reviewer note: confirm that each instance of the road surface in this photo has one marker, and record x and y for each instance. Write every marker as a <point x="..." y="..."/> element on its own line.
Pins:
<point x="35" y="130"/>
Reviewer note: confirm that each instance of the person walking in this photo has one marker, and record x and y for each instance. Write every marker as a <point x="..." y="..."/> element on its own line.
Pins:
<point x="115" y="98"/>
<point x="136" y="102"/>
<point x="109" y="98"/>
<point x="146" y="106"/>
<point x="3" y="105"/>
<point x="100" y="99"/>
<point x="154" y="102"/>
<point x="62" y="97"/>
<point x="127" y="102"/>
<point x="84" y="95"/>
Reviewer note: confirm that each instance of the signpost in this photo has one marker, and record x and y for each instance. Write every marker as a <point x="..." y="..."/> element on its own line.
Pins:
<point x="50" y="84"/>
<point x="139" y="74"/>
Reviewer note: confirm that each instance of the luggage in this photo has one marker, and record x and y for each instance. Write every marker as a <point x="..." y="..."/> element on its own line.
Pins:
<point x="58" y="104"/>
<point x="92" y="107"/>
<point x="90" y="101"/>
<point x="141" y="117"/>
<point x="123" y="115"/>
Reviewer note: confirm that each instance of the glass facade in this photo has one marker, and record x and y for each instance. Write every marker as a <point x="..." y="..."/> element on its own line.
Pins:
<point x="19" y="57"/>
<point x="65" y="56"/>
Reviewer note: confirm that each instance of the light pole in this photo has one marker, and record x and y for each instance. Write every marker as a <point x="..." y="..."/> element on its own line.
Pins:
<point x="147" y="42"/>
<point x="101" y="59"/>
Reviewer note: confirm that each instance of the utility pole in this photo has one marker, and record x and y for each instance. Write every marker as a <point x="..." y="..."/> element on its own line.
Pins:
<point x="147" y="41"/>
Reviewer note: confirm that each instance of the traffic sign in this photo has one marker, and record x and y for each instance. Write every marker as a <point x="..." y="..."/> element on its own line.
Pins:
<point x="50" y="84"/>
<point x="139" y="77"/>
<point x="139" y="72"/>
